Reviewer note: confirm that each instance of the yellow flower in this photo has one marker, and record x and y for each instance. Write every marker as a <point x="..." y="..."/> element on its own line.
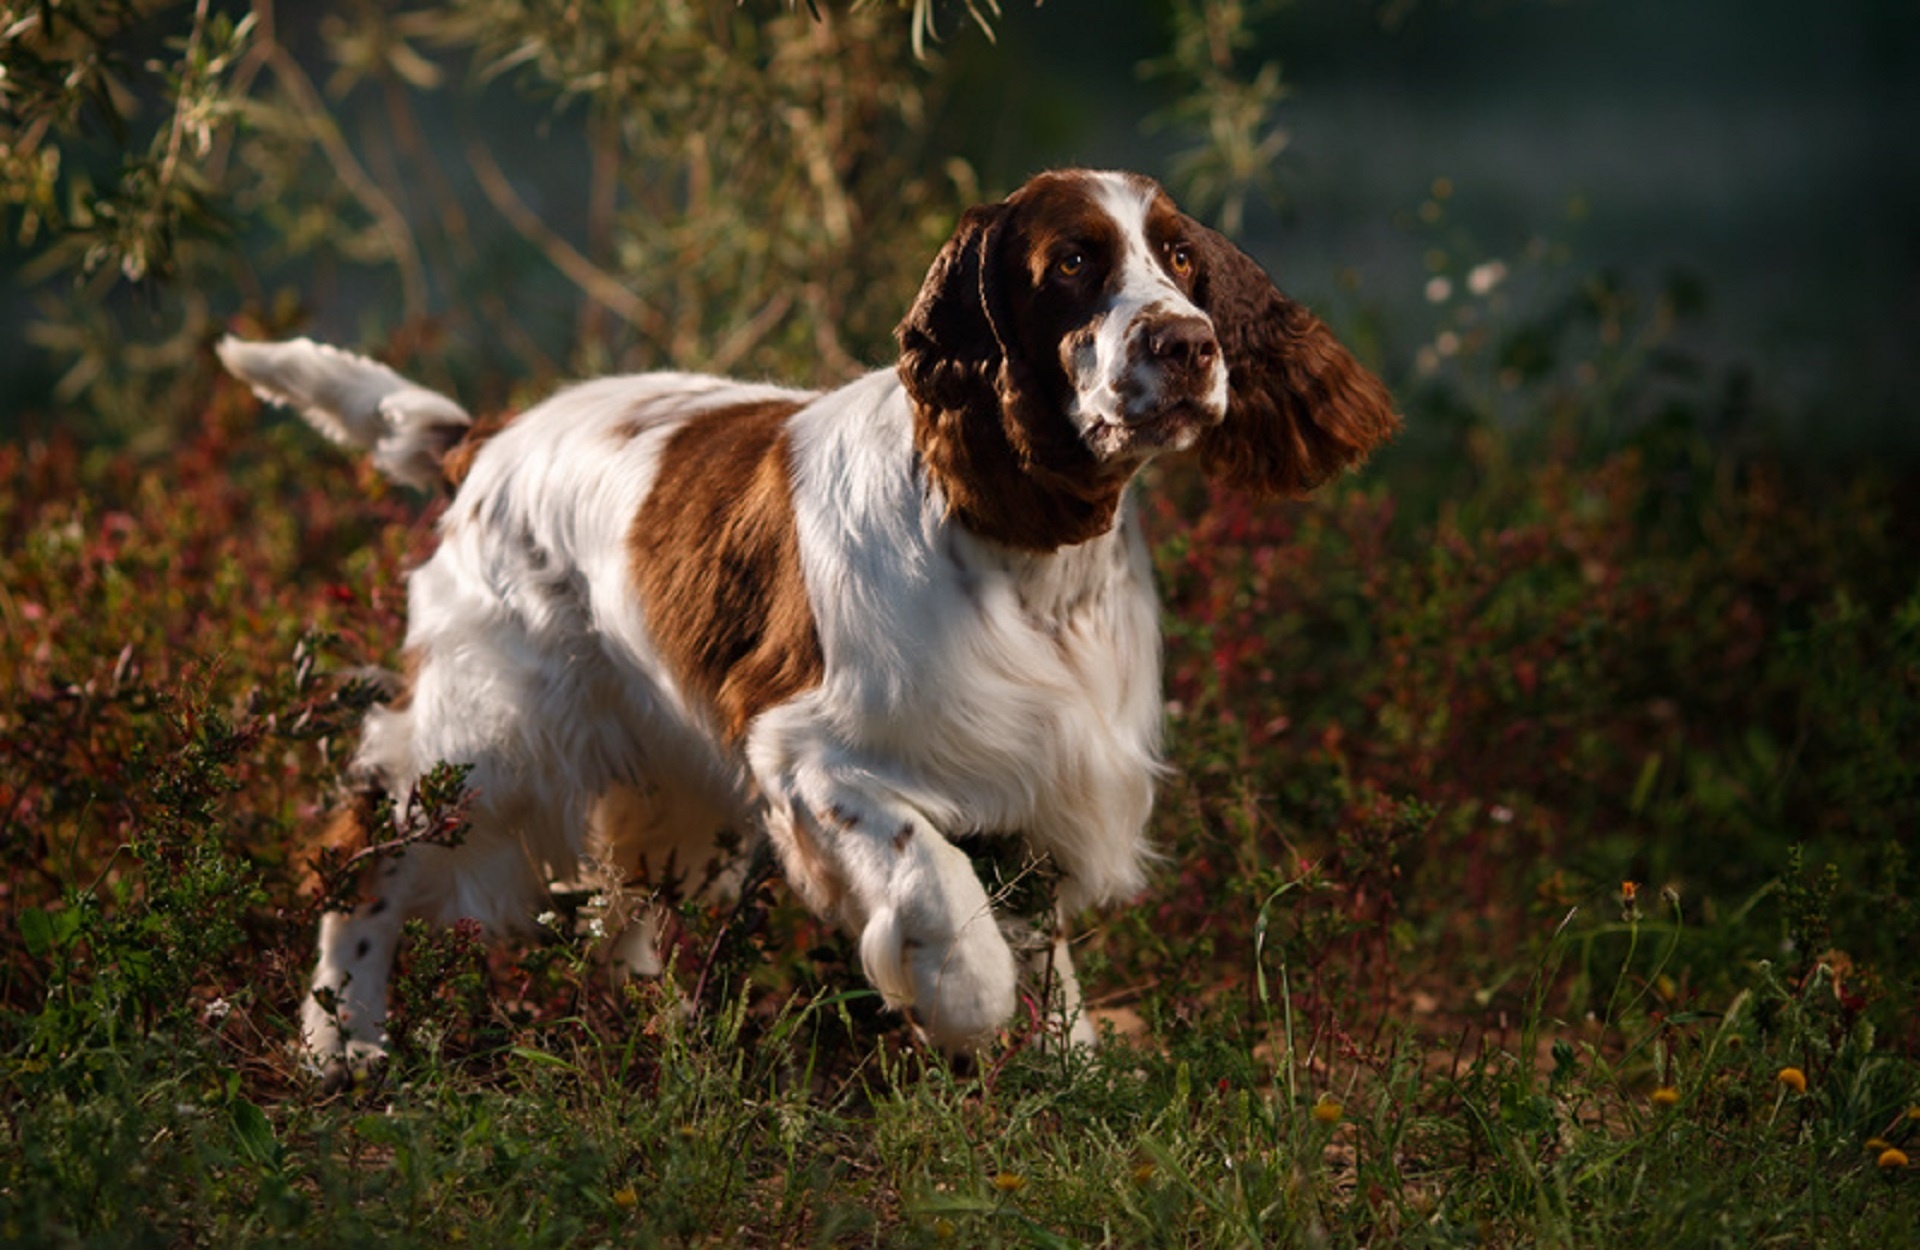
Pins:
<point x="1794" y="1079"/>
<point x="1142" y="1172"/>
<point x="1009" y="1182"/>
<point x="1629" y="890"/>
<point x="943" y="1229"/>
<point x="1913" y="1113"/>
<point x="1877" y="1144"/>
<point x="625" y="1198"/>
<point x="1328" y="1111"/>
<point x="1891" y="1158"/>
<point x="1665" y="1096"/>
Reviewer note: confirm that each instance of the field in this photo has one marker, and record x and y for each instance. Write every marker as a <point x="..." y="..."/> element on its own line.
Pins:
<point x="1539" y="872"/>
<point x="1540" y="827"/>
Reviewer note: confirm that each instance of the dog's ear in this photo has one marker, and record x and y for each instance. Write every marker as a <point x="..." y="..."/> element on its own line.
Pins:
<point x="1300" y="408"/>
<point x="951" y="351"/>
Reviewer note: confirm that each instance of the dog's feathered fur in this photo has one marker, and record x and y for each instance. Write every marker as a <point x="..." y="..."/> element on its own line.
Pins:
<point x="871" y="623"/>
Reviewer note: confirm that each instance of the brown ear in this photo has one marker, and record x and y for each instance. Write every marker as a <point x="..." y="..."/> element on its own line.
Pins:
<point x="950" y="349"/>
<point x="1300" y="408"/>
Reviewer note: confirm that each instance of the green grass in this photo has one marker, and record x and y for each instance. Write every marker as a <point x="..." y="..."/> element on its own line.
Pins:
<point x="1391" y="986"/>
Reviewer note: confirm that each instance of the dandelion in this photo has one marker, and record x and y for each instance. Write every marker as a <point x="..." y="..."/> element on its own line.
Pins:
<point x="1009" y="1182"/>
<point x="1664" y="1097"/>
<point x="626" y="1198"/>
<point x="1794" y="1079"/>
<point x="1328" y="1111"/>
<point x="1877" y="1144"/>
<point x="943" y="1229"/>
<point x="1891" y="1158"/>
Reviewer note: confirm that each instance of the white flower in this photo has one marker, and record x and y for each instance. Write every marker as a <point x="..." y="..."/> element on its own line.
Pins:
<point x="1485" y="276"/>
<point x="1439" y="289"/>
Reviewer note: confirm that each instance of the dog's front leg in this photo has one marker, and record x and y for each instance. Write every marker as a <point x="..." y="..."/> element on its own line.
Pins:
<point x="928" y="938"/>
<point x="1063" y="1015"/>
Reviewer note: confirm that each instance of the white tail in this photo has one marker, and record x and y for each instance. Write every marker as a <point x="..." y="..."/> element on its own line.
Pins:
<point x="354" y="401"/>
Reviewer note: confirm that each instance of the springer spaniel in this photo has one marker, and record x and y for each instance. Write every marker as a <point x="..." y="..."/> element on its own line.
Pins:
<point x="872" y="623"/>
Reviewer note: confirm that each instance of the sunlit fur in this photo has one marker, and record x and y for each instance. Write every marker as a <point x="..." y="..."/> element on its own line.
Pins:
<point x="983" y="657"/>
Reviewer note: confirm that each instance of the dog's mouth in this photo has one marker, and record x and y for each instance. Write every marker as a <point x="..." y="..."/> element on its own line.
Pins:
<point x="1172" y="427"/>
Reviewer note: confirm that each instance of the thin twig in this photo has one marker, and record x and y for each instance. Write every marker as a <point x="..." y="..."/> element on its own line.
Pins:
<point x="598" y="284"/>
<point x="413" y="277"/>
<point x="172" y="159"/>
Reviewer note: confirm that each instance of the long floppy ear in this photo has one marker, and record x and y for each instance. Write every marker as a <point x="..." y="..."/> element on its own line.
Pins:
<point x="950" y="348"/>
<point x="1300" y="408"/>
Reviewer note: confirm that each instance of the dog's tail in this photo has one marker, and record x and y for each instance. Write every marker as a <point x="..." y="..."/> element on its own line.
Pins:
<point x="356" y="402"/>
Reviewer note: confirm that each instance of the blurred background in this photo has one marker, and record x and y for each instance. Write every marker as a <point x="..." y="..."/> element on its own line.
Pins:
<point x="1715" y="197"/>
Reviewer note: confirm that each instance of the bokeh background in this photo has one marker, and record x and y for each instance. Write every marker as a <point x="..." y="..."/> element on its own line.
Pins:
<point x="1750" y="159"/>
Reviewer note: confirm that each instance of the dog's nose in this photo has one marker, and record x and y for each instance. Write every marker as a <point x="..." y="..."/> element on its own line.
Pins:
<point x="1183" y="344"/>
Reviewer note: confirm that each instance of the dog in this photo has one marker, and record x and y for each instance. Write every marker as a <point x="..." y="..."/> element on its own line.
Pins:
<point x="875" y="625"/>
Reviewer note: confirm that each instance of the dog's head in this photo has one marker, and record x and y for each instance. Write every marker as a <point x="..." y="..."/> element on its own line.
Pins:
<point x="1069" y="333"/>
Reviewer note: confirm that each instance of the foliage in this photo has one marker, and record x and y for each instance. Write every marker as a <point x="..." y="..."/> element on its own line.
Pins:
<point x="758" y="186"/>
<point x="1537" y="873"/>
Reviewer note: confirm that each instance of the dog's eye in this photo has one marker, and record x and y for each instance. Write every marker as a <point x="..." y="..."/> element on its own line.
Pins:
<point x="1070" y="263"/>
<point x="1180" y="259"/>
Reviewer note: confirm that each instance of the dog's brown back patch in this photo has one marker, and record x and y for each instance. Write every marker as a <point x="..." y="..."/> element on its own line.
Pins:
<point x="716" y="558"/>
<point x="457" y="462"/>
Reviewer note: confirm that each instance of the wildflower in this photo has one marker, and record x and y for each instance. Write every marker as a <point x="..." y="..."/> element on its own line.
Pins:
<point x="1794" y="1079"/>
<point x="1327" y="1111"/>
<point x="1483" y="277"/>
<point x="1891" y="1158"/>
<point x="1439" y="289"/>
<point x="1009" y="1182"/>
<point x="626" y="1198"/>
<point x="943" y="1229"/>
<point x="1143" y="1172"/>
<point x="1877" y="1144"/>
<point x="1629" y="890"/>
<point x="1665" y="1096"/>
<point x="1913" y="1113"/>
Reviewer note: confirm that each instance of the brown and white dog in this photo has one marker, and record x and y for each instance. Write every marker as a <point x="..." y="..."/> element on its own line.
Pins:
<point x="869" y="623"/>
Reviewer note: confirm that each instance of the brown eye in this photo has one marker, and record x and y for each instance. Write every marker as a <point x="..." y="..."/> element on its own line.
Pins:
<point x="1070" y="264"/>
<point x="1180" y="259"/>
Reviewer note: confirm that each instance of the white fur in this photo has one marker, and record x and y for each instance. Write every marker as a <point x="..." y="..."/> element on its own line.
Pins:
<point x="1112" y="364"/>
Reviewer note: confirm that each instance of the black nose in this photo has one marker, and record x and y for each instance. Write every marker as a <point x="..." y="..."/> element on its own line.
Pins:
<point x="1184" y="344"/>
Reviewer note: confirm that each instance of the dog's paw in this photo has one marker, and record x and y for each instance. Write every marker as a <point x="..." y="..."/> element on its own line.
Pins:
<point x="964" y="989"/>
<point x="936" y="954"/>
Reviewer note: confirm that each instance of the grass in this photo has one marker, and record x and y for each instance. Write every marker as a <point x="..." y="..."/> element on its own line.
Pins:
<point x="1539" y="874"/>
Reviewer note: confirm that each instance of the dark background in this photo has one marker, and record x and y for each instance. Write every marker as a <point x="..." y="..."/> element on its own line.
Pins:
<point x="1758" y="152"/>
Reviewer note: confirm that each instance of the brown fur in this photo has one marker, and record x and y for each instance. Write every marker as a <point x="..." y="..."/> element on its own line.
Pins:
<point x="1300" y="408"/>
<point x="716" y="559"/>
<point x="347" y="832"/>
<point x="458" y="460"/>
<point x="989" y="416"/>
